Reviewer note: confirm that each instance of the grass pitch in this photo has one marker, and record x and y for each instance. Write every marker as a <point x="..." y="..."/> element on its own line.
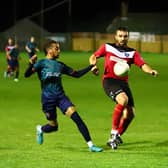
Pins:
<point x="145" y="142"/>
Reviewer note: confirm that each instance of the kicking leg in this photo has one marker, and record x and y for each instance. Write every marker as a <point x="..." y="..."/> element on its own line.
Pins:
<point x="82" y="128"/>
<point x="115" y="138"/>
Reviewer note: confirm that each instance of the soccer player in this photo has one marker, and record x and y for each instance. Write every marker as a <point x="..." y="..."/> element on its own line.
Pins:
<point x="10" y="45"/>
<point x="50" y="72"/>
<point x="31" y="47"/>
<point x="117" y="88"/>
<point x="13" y="62"/>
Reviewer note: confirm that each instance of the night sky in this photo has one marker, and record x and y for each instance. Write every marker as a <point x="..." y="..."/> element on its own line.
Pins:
<point x="59" y="12"/>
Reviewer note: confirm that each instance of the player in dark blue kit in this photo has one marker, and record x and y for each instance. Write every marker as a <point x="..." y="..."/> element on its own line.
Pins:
<point x="50" y="72"/>
<point x="31" y="47"/>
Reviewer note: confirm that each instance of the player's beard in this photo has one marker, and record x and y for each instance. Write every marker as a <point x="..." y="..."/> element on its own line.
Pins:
<point x="56" y="56"/>
<point x="122" y="43"/>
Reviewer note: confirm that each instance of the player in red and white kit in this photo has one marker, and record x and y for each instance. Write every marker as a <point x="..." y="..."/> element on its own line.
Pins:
<point x="10" y="46"/>
<point x="117" y="88"/>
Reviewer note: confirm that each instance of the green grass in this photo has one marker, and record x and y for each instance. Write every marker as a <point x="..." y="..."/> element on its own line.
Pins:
<point x="145" y="142"/>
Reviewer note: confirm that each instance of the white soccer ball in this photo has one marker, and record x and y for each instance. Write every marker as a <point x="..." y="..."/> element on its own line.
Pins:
<point x="121" y="69"/>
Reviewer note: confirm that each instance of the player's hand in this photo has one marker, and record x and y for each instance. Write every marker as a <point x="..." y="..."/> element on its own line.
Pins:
<point x="95" y="70"/>
<point x="154" y="73"/>
<point x="33" y="59"/>
<point x="9" y="57"/>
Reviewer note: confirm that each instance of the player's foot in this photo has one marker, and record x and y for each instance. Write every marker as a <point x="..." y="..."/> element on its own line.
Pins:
<point x="111" y="143"/>
<point x="16" y="80"/>
<point x="39" y="133"/>
<point x="95" y="149"/>
<point x="118" y="139"/>
<point x="114" y="141"/>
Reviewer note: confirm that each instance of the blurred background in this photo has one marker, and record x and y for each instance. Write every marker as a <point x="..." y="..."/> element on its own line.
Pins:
<point x="84" y="25"/>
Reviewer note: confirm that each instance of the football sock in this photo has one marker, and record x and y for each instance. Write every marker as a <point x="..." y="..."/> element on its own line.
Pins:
<point x="48" y="128"/>
<point x="81" y="126"/>
<point x="90" y="144"/>
<point x="114" y="132"/>
<point x="123" y="125"/>
<point x="117" y="114"/>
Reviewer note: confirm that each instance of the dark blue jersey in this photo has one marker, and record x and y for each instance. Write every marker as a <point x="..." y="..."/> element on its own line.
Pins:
<point x="49" y="72"/>
<point x="31" y="46"/>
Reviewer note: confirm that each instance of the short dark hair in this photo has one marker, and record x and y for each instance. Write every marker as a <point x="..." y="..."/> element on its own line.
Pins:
<point x="122" y="28"/>
<point x="48" y="44"/>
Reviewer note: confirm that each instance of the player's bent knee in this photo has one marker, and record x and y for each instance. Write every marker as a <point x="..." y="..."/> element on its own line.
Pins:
<point x="70" y="111"/>
<point x="122" y="98"/>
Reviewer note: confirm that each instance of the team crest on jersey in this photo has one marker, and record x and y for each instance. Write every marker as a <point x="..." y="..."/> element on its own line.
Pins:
<point x="126" y="54"/>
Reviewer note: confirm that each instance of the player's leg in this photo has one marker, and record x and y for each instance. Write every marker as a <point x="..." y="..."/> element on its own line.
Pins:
<point x="114" y="90"/>
<point x="16" y="69"/>
<point x="68" y="109"/>
<point x="49" y="109"/>
<point x="72" y="113"/>
<point x="8" y="70"/>
<point x="128" y="115"/>
<point x="115" y="137"/>
<point x="122" y="101"/>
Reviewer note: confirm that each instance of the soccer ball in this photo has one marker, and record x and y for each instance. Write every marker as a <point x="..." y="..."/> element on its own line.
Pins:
<point x="121" y="69"/>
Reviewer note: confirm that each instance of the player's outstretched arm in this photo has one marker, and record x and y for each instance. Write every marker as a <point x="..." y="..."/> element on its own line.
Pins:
<point x="146" y="68"/>
<point x="81" y="72"/>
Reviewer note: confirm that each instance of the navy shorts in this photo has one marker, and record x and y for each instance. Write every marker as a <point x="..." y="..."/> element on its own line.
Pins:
<point x="49" y="105"/>
<point x="113" y="87"/>
<point x="31" y="54"/>
<point x="13" y="63"/>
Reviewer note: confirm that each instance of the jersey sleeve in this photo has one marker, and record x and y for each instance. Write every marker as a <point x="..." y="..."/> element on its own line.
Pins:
<point x="66" y="69"/>
<point x="32" y="68"/>
<point x="100" y="52"/>
<point x="75" y="73"/>
<point x="138" y="60"/>
<point x="37" y="65"/>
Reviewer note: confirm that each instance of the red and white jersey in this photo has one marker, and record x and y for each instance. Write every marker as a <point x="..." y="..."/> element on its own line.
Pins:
<point x="113" y="54"/>
<point x="8" y="48"/>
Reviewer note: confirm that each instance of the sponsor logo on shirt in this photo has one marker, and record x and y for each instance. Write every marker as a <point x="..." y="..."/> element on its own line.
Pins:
<point x="53" y="74"/>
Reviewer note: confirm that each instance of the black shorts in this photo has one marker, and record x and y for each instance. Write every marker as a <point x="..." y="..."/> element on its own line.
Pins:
<point x="113" y="87"/>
